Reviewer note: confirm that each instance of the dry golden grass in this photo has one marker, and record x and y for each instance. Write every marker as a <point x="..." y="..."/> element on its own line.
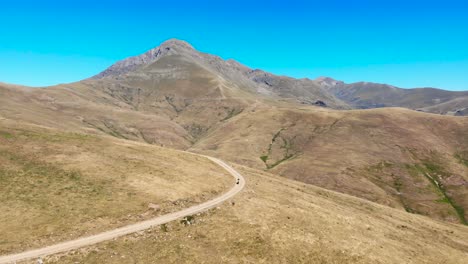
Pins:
<point x="345" y="150"/>
<point x="83" y="108"/>
<point x="276" y="220"/>
<point x="58" y="185"/>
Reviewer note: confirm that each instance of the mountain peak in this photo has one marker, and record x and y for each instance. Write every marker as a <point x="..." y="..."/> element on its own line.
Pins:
<point x="177" y="43"/>
<point x="327" y="82"/>
<point x="168" y="47"/>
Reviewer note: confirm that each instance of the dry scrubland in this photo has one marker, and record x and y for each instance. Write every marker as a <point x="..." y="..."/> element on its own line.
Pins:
<point x="276" y="220"/>
<point x="57" y="185"/>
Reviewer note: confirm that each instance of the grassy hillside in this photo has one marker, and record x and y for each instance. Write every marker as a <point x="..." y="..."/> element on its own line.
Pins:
<point x="276" y="220"/>
<point x="82" y="108"/>
<point x="60" y="185"/>
<point x="396" y="157"/>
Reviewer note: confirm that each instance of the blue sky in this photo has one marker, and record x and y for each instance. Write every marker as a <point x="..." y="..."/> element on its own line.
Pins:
<point x="408" y="43"/>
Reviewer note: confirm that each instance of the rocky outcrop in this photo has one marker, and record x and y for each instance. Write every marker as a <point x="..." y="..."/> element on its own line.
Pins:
<point x="130" y="64"/>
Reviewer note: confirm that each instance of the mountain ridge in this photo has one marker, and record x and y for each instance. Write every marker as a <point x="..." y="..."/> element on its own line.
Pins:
<point x="322" y="91"/>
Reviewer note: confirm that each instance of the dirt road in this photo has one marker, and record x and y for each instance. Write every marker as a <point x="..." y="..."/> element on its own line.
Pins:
<point x="94" y="239"/>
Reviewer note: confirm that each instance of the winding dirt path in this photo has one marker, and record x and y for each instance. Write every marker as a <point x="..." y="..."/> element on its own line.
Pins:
<point x="94" y="239"/>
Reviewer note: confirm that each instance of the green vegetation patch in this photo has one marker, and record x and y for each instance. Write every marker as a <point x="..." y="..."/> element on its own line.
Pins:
<point x="430" y="170"/>
<point x="56" y="137"/>
<point x="286" y="145"/>
<point x="196" y="131"/>
<point x="462" y="157"/>
<point x="232" y="113"/>
<point x="39" y="183"/>
<point x="6" y="135"/>
<point x="397" y="183"/>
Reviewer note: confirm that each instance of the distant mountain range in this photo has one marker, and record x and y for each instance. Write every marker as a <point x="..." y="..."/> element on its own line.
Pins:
<point x="366" y="95"/>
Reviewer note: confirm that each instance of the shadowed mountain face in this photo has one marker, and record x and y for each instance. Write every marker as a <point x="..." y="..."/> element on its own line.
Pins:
<point x="177" y="97"/>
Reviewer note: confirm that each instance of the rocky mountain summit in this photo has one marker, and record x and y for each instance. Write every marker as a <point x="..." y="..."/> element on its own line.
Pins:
<point x="132" y="63"/>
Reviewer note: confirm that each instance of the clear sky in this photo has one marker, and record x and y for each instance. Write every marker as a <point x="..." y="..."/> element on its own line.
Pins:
<point x="408" y="43"/>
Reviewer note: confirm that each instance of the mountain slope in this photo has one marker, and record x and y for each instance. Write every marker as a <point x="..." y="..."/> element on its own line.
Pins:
<point x="80" y="107"/>
<point x="397" y="157"/>
<point x="456" y="107"/>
